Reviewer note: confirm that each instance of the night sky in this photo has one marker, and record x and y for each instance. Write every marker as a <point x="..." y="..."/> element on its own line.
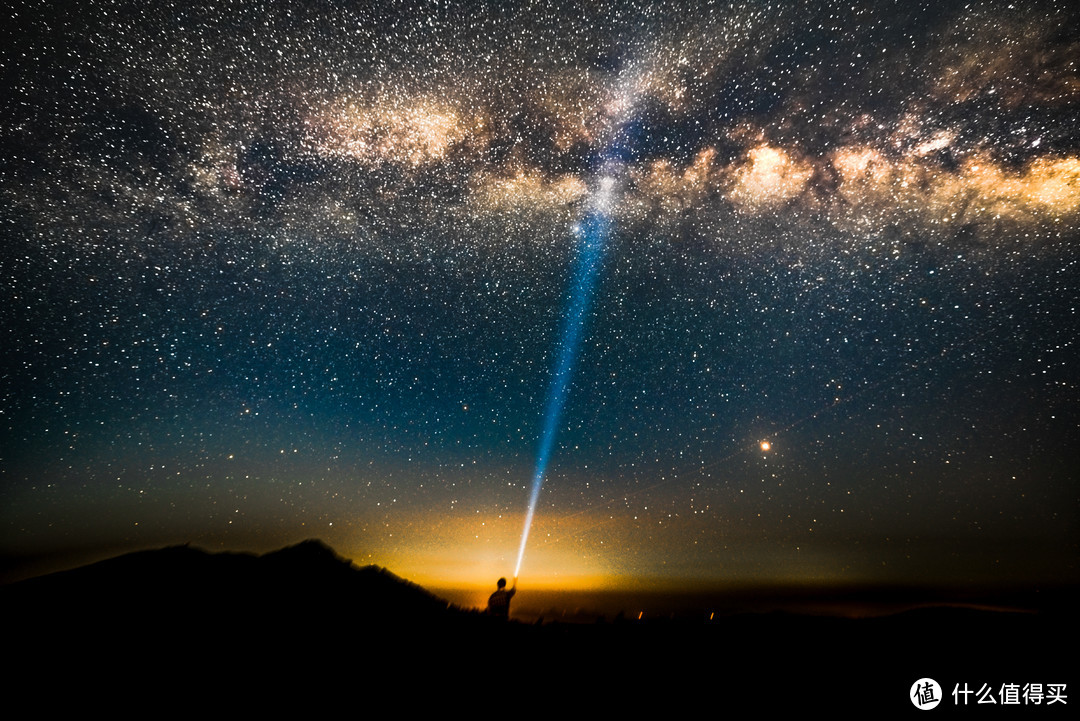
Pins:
<point x="276" y="271"/>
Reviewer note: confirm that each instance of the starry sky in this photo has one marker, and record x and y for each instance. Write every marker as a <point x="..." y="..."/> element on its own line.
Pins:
<point x="275" y="271"/>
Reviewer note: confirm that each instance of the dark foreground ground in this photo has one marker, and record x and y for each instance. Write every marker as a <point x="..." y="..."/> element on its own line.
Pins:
<point x="302" y="629"/>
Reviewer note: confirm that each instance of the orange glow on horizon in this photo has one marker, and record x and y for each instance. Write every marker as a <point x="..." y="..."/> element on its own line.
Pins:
<point x="471" y="551"/>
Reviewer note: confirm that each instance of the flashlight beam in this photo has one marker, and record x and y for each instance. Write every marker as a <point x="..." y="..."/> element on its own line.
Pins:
<point x="591" y="240"/>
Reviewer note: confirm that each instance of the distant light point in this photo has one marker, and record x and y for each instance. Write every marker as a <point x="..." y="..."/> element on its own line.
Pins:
<point x="765" y="446"/>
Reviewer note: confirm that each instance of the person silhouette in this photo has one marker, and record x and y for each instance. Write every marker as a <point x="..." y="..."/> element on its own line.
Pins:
<point x="499" y="602"/>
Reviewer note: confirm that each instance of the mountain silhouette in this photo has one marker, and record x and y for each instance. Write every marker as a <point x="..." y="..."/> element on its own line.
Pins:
<point x="180" y="623"/>
<point x="152" y="620"/>
<point x="307" y="584"/>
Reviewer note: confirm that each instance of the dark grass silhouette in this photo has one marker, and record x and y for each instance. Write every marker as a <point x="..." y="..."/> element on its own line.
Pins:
<point x="185" y="624"/>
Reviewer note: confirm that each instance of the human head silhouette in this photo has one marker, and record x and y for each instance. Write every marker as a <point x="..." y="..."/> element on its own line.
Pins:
<point x="501" y="583"/>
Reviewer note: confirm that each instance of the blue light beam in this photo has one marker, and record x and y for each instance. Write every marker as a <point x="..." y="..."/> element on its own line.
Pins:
<point x="592" y="238"/>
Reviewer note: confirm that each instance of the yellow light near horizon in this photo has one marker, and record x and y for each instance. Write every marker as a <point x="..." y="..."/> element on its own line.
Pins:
<point x="472" y="551"/>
